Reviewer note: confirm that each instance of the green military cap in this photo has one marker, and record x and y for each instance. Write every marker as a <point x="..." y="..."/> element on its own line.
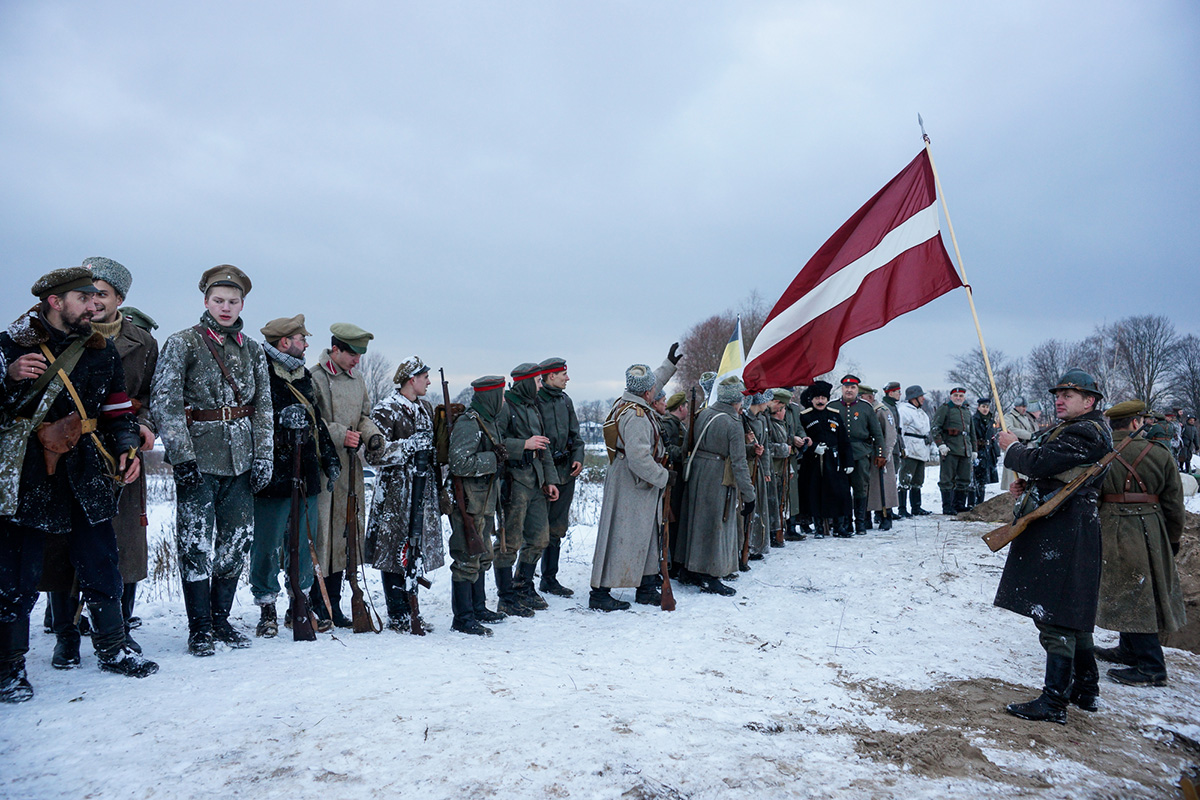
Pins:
<point x="284" y="326"/>
<point x="410" y="367"/>
<point x="1125" y="410"/>
<point x="782" y="395"/>
<point x="61" y="281"/>
<point x="553" y="365"/>
<point x="112" y="273"/>
<point x="675" y="401"/>
<point x="139" y="318"/>
<point x="1078" y="380"/>
<point x="525" y="370"/>
<point x="864" y="389"/>
<point x="487" y="383"/>
<point x="891" y="386"/>
<point x="225" y="275"/>
<point x="354" y="337"/>
<point x="1155" y="415"/>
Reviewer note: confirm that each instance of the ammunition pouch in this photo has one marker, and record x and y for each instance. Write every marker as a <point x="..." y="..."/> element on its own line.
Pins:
<point x="60" y="437"/>
<point x="951" y="431"/>
<point x="561" y="457"/>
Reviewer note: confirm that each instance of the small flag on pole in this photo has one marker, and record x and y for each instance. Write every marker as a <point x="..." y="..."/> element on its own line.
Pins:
<point x="886" y="260"/>
<point x="731" y="360"/>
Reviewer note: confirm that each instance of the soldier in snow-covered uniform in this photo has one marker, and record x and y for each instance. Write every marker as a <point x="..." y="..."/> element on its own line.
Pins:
<point x="914" y="423"/>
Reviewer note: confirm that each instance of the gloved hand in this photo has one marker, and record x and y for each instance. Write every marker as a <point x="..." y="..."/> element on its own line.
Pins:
<point x="748" y="509"/>
<point x="335" y="470"/>
<point x="501" y="453"/>
<point x="260" y="475"/>
<point x="674" y="355"/>
<point x="975" y="461"/>
<point x="849" y="470"/>
<point x="421" y="440"/>
<point x="187" y="475"/>
<point x="944" y="450"/>
<point x="375" y="442"/>
<point x="820" y="449"/>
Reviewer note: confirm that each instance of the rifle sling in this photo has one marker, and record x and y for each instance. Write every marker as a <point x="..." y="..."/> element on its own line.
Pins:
<point x="64" y="375"/>
<point x="216" y="354"/>
<point x="65" y="363"/>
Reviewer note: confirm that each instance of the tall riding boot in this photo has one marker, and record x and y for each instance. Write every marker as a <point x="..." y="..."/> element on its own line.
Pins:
<point x="866" y="516"/>
<point x="464" y="610"/>
<point x="223" y="590"/>
<point x="1149" y="667"/>
<point x="860" y="516"/>
<point x="479" y="601"/>
<point x="509" y="602"/>
<point x="333" y="587"/>
<point x="197" y="599"/>
<point x="317" y="603"/>
<point x="396" y="599"/>
<point x="960" y="502"/>
<point x="1052" y="705"/>
<point x="549" y="582"/>
<point x="14" y="644"/>
<point x="649" y="592"/>
<point x="128" y="595"/>
<point x="108" y="639"/>
<point x="885" y="520"/>
<point x="523" y="585"/>
<point x="902" y="497"/>
<point x="1086" y="687"/>
<point x="62" y="613"/>
<point x="914" y="497"/>
<point x="948" y="502"/>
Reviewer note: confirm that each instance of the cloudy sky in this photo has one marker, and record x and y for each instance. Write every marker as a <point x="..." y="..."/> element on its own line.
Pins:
<point x="486" y="183"/>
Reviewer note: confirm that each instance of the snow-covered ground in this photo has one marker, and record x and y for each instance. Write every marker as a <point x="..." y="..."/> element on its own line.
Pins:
<point x="869" y="667"/>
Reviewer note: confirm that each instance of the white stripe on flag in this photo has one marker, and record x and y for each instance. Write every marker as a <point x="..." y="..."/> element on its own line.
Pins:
<point x="843" y="284"/>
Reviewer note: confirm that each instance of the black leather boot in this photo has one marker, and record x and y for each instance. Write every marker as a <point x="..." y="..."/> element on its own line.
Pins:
<point x="523" y="586"/>
<point x="479" y="601"/>
<point x="14" y="644"/>
<point x="960" y="502"/>
<point x="223" y="590"/>
<point x="948" y="502"/>
<point x="128" y="595"/>
<point x="1085" y="689"/>
<point x="108" y="639"/>
<point x="914" y="500"/>
<point x="509" y="602"/>
<point x="396" y="599"/>
<point x="464" y="610"/>
<point x="549" y="582"/>
<point x="602" y="600"/>
<point x="712" y="585"/>
<point x="1149" y="667"/>
<point x="62" y="614"/>
<point x="649" y="592"/>
<point x="902" y="498"/>
<point x="1051" y="706"/>
<point x="197" y="599"/>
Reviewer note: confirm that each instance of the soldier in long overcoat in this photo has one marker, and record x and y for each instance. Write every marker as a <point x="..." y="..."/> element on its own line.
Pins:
<point x="881" y="491"/>
<point x="914" y="425"/>
<point x="346" y="408"/>
<point x="758" y="432"/>
<point x="405" y="418"/>
<point x="1141" y="522"/>
<point x="627" y="537"/>
<point x="823" y="477"/>
<point x="717" y="476"/>
<point x="783" y="439"/>
<point x="1024" y="426"/>
<point x="211" y="400"/>
<point x="1052" y="573"/>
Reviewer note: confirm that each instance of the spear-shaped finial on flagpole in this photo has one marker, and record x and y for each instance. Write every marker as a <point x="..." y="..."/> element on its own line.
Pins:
<point x="987" y="362"/>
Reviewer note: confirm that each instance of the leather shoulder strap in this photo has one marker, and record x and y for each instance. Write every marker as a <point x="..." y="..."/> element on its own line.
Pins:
<point x="216" y="354"/>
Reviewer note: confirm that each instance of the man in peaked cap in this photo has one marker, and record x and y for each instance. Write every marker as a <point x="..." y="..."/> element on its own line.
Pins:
<point x="866" y="443"/>
<point x="1052" y="573"/>
<point x="983" y="431"/>
<point x="1141" y="524"/>
<point x="211" y="400"/>
<point x="57" y="484"/>
<point x="566" y="449"/>
<point x="345" y="405"/>
<point x="951" y="431"/>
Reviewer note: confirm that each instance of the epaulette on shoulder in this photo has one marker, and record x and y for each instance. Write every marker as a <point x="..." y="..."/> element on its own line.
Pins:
<point x="641" y="412"/>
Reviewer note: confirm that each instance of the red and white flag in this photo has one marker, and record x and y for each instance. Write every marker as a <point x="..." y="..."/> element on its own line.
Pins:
<point x="886" y="260"/>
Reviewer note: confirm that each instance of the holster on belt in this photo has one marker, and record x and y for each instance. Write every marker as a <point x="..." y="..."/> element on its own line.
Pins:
<point x="61" y="436"/>
<point x="952" y="431"/>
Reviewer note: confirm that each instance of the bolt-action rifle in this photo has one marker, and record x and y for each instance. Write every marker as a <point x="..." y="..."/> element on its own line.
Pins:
<point x="295" y="419"/>
<point x="414" y="564"/>
<point x="475" y="545"/>
<point x="359" y="616"/>
<point x="664" y="550"/>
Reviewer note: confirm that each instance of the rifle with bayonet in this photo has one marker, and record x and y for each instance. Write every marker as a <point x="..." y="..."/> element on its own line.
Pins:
<point x="414" y="563"/>
<point x="475" y="545"/>
<point x="359" y="616"/>
<point x="295" y="419"/>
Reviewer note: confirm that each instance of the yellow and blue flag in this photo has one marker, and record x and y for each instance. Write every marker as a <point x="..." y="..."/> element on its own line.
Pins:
<point x="731" y="360"/>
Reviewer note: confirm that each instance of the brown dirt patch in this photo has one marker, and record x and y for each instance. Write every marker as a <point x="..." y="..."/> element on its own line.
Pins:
<point x="998" y="510"/>
<point x="1187" y="563"/>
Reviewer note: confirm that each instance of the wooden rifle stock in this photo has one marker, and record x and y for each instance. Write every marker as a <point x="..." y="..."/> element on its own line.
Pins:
<point x="664" y="552"/>
<point x="359" y="616"/>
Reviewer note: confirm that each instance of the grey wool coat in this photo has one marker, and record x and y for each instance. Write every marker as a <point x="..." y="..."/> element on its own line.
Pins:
<point x="890" y="498"/>
<point x="711" y="508"/>
<point x="1139" y="586"/>
<point x="407" y="427"/>
<point x="631" y="514"/>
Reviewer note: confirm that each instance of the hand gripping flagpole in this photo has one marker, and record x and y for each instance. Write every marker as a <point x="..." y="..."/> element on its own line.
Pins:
<point x="987" y="362"/>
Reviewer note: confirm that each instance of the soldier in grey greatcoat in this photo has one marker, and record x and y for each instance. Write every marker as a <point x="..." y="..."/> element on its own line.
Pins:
<point x="784" y="442"/>
<point x="628" y="535"/>
<point x="405" y="418"/>
<point x="717" y="477"/>
<point x="951" y="431"/>
<point x="211" y="400"/>
<point x="1141" y="527"/>
<point x="758" y="459"/>
<point x="346" y="409"/>
<point x="881" y="489"/>
<point x="1024" y="427"/>
<point x="561" y="427"/>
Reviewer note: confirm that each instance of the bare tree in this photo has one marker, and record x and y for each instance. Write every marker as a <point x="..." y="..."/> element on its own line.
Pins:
<point x="969" y="371"/>
<point x="1144" y="353"/>
<point x="704" y="342"/>
<point x="377" y="371"/>
<point x="1185" y="377"/>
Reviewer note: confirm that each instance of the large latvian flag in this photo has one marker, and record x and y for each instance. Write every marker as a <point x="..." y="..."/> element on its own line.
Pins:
<point x="886" y="260"/>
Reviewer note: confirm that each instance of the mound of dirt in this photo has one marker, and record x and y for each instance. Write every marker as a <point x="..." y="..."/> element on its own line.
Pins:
<point x="998" y="510"/>
<point x="1187" y="564"/>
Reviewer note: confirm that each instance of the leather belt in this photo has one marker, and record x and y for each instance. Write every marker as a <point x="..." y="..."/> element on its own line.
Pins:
<point x="707" y="455"/>
<point x="914" y="435"/>
<point x="1129" y="497"/>
<point x="225" y="414"/>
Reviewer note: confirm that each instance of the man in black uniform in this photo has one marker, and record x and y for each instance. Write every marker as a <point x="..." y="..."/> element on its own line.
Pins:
<point x="866" y="442"/>
<point x="826" y="466"/>
<point x="57" y="470"/>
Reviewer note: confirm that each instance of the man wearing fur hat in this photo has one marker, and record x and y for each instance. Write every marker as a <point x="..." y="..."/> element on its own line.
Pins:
<point x="866" y="441"/>
<point x="405" y="419"/>
<point x="59" y="470"/>
<point x="717" y="476"/>
<point x="346" y="408"/>
<point x="211" y="400"/>
<point x="566" y="448"/>
<point x="284" y="342"/>
<point x="627" y="538"/>
<point x="914" y="423"/>
<point x="532" y="485"/>
<point x="825" y="468"/>
<point x="139" y="355"/>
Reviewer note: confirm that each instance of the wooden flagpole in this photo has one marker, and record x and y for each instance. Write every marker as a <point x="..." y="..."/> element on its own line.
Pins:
<point x="987" y="362"/>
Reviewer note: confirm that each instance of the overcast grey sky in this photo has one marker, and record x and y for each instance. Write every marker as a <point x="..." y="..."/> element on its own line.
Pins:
<point x="485" y="183"/>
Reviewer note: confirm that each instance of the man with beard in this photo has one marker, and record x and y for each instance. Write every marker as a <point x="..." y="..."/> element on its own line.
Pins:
<point x="139" y="355"/>
<point x="57" y="470"/>
<point x="211" y="399"/>
<point x="951" y="431"/>
<point x="866" y="442"/>
<point x="346" y="409"/>
<point x="1052" y="573"/>
<point x="914" y="423"/>
<point x="405" y="418"/>
<point x="285" y="341"/>
<point x="826" y="467"/>
<point x="566" y="449"/>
